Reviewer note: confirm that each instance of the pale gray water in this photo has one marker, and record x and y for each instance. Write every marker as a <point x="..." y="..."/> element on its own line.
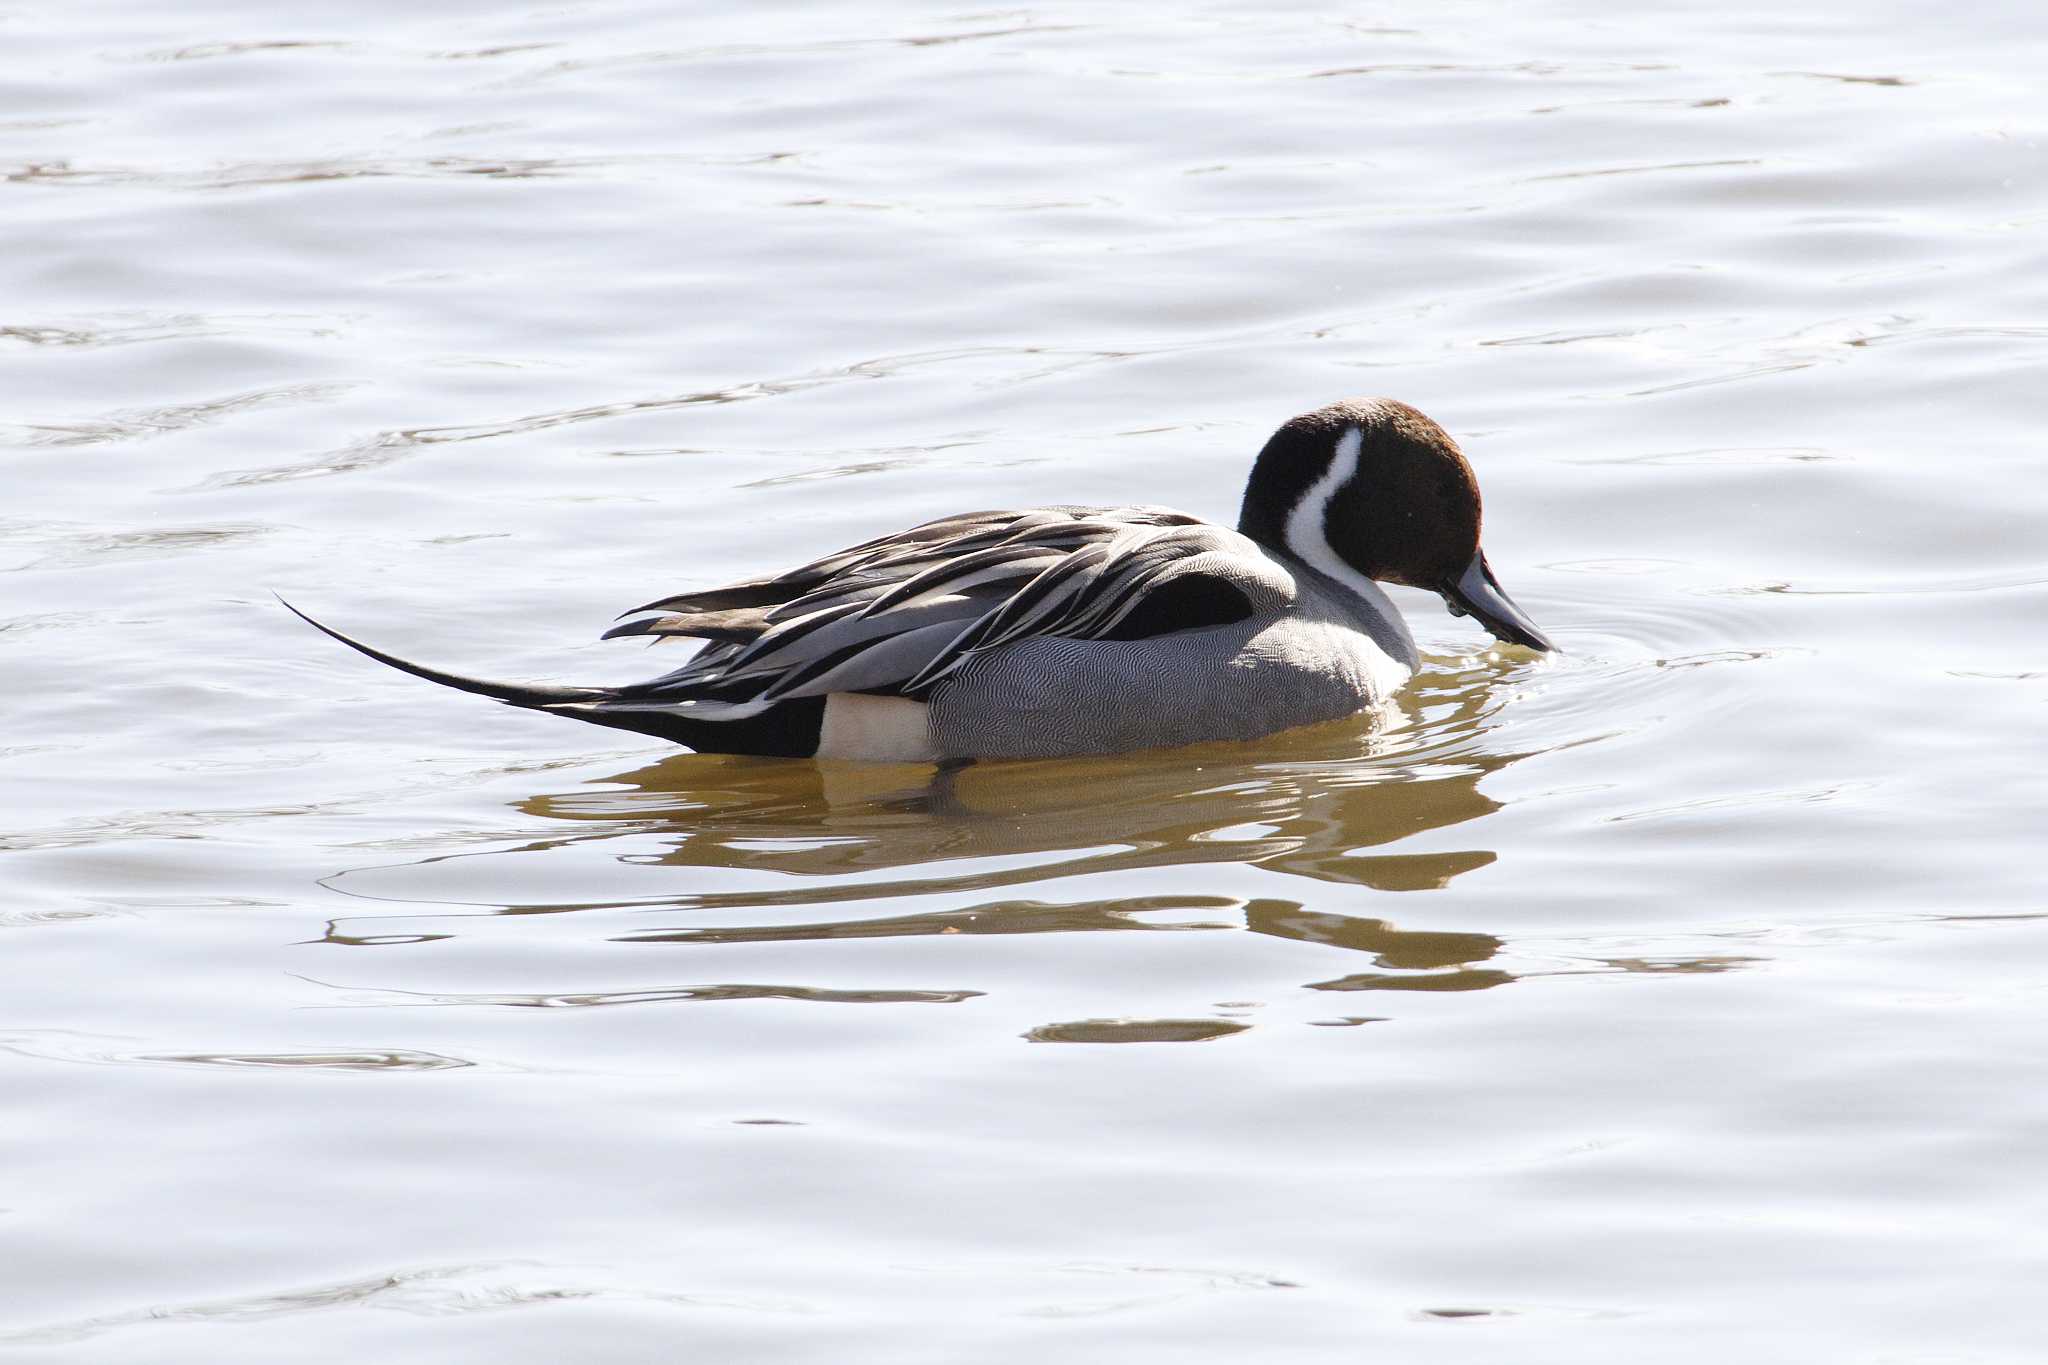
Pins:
<point x="1678" y="999"/>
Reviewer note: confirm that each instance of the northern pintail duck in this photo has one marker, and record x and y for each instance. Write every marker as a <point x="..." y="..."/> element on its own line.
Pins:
<point x="1075" y="630"/>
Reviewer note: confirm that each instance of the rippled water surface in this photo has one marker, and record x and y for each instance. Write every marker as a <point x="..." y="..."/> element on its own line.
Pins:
<point x="1679" y="998"/>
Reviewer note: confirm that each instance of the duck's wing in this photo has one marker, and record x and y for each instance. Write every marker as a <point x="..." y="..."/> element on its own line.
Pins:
<point x="932" y="540"/>
<point x="897" y="616"/>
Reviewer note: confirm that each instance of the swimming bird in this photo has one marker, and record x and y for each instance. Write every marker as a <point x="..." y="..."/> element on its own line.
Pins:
<point x="1076" y="630"/>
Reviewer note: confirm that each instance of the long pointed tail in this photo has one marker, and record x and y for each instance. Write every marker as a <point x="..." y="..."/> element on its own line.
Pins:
<point x="512" y="694"/>
<point x="785" y="729"/>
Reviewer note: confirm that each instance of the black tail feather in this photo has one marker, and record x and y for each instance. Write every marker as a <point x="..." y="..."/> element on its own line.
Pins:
<point x="512" y="694"/>
<point x="788" y="729"/>
<point x="757" y="592"/>
<point x="736" y="625"/>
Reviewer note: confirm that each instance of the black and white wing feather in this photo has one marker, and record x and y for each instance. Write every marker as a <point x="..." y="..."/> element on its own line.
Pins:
<point x="899" y="615"/>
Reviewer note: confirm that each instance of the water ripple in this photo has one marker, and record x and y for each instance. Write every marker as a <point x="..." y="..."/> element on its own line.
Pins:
<point x="425" y="1291"/>
<point x="588" y="999"/>
<point x="143" y="423"/>
<point x="63" y="1046"/>
<point x="62" y="174"/>
<point x="127" y="328"/>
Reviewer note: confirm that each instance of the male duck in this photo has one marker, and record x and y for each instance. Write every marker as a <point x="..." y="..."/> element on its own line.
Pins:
<point x="1074" y="630"/>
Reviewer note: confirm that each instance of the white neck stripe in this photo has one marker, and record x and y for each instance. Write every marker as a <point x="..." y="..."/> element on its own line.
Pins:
<point x="1307" y="538"/>
<point x="1305" y="535"/>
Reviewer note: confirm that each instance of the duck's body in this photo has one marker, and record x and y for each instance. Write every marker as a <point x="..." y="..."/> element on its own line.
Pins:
<point x="1231" y="682"/>
<point x="1071" y="630"/>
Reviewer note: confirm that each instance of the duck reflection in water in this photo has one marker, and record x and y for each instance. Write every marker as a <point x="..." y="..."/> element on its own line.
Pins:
<point x="1316" y="803"/>
<point x="691" y="834"/>
<point x="1308" y="802"/>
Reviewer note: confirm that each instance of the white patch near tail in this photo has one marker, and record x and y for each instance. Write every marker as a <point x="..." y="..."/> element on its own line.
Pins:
<point x="876" y="729"/>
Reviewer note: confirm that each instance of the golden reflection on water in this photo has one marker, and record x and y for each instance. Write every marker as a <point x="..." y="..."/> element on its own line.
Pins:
<point x="1309" y="817"/>
<point x="1306" y="802"/>
<point x="1310" y="802"/>
<point x="1320" y="804"/>
<point x="1136" y="1031"/>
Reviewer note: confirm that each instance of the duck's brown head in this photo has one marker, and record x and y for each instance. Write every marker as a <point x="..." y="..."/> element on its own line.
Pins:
<point x="1371" y="488"/>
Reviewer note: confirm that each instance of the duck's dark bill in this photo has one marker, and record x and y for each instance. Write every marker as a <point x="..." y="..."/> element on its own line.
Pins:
<point x="1478" y="593"/>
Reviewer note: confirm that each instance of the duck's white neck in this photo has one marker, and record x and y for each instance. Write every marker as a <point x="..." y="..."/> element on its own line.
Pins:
<point x="1306" y="533"/>
<point x="1307" y="538"/>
